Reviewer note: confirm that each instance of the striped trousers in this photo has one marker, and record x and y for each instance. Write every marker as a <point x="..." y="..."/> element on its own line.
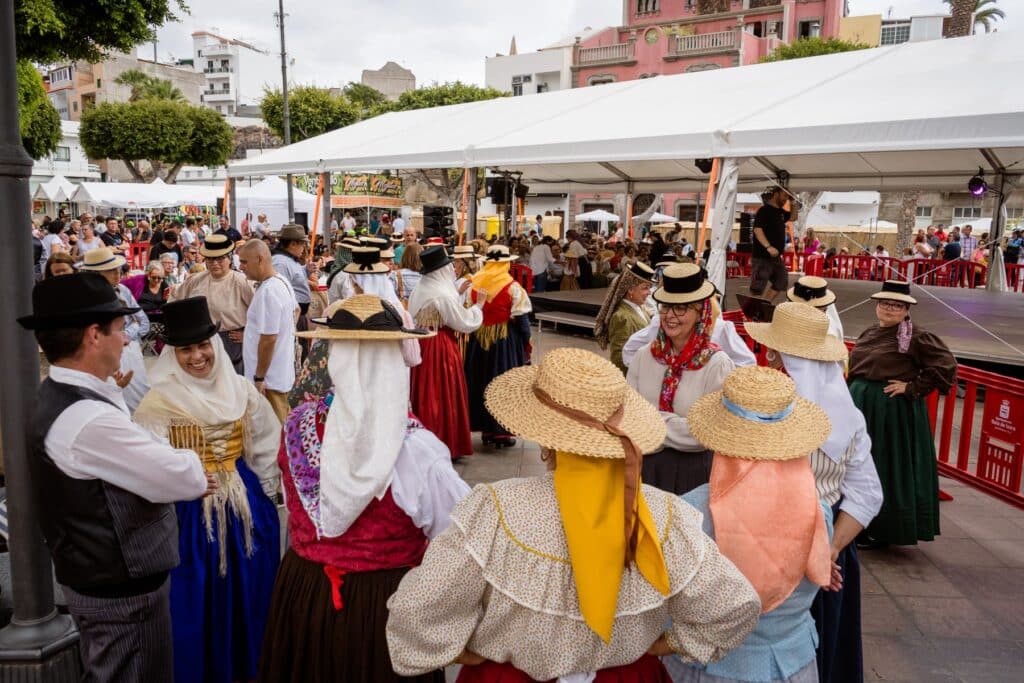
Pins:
<point x="127" y="640"/>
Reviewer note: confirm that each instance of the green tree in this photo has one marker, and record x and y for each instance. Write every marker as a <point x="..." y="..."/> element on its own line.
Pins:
<point x="985" y="14"/>
<point x="812" y="47"/>
<point x="39" y="121"/>
<point x="368" y="100"/>
<point x="312" y="111"/>
<point x="443" y="94"/>
<point x="145" y="86"/>
<point x="48" y="31"/>
<point x="163" y="133"/>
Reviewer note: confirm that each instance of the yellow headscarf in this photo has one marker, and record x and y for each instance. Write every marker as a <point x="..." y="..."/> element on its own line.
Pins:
<point x="492" y="278"/>
<point x="591" y="497"/>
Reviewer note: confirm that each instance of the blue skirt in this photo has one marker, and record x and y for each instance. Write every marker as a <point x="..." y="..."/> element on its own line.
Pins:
<point x="218" y="621"/>
<point x="482" y="365"/>
<point x="837" y="616"/>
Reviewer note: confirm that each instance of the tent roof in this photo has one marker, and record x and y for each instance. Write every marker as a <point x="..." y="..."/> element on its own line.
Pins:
<point x="273" y="187"/>
<point x="863" y="120"/>
<point x="56" y="189"/>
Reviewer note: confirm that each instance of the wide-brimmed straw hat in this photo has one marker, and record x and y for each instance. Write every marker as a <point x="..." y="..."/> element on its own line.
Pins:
<point x="499" y="253"/>
<point x="381" y="243"/>
<point x="366" y="260"/>
<point x="216" y="246"/>
<point x="758" y="416"/>
<point x="397" y="238"/>
<point x="800" y="330"/>
<point x="683" y="283"/>
<point x="578" y="380"/>
<point x="101" y="259"/>
<point x="362" y="317"/>
<point x="893" y="290"/>
<point x="465" y="251"/>
<point x="812" y="290"/>
<point x="642" y="271"/>
<point x="350" y="243"/>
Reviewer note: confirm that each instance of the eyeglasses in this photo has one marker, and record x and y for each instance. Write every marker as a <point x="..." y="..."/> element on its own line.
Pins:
<point x="891" y="305"/>
<point x="675" y="310"/>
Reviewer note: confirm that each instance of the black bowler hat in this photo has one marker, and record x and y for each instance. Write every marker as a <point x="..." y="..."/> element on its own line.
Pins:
<point x="433" y="258"/>
<point x="77" y="300"/>
<point x="187" y="321"/>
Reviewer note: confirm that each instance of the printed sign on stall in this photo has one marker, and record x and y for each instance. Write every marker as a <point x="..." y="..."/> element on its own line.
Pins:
<point x="1004" y="415"/>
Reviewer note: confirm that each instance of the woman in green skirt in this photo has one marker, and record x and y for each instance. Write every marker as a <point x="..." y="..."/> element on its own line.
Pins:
<point x="894" y="366"/>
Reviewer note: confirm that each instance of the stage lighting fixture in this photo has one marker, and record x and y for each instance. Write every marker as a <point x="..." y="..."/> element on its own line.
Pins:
<point x="977" y="185"/>
<point x="704" y="165"/>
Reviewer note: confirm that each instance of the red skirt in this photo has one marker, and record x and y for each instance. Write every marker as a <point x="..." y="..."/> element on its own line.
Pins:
<point x="439" y="395"/>
<point x="647" y="669"/>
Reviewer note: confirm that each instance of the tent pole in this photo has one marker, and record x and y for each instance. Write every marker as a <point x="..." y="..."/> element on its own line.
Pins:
<point x="996" y="281"/>
<point x="471" y="206"/>
<point x="325" y="209"/>
<point x="232" y="207"/>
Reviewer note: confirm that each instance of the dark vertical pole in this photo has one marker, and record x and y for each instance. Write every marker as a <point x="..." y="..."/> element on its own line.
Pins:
<point x="35" y="627"/>
<point x="284" y="106"/>
<point x="232" y="208"/>
<point x="471" y="206"/>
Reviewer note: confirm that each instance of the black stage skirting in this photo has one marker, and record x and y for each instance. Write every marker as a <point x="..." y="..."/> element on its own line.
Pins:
<point x="580" y="301"/>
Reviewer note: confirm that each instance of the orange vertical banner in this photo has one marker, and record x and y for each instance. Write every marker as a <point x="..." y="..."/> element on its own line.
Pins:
<point x="316" y="217"/>
<point x="226" y="209"/>
<point x="698" y="249"/>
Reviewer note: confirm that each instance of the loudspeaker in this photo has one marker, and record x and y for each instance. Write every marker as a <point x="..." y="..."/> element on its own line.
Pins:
<point x="746" y="235"/>
<point x="499" y="190"/>
<point x="521" y="191"/>
<point x="746" y="220"/>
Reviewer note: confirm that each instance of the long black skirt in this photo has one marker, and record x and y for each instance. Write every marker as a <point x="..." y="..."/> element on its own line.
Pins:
<point x="676" y="471"/>
<point x="307" y="639"/>
<point x="837" y="616"/>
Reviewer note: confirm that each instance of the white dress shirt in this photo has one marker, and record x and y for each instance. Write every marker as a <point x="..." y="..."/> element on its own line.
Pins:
<point x="96" y="440"/>
<point x="724" y="334"/>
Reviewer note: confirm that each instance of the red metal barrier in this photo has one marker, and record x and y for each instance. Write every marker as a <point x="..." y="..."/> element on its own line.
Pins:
<point x="138" y="255"/>
<point x="1015" y="277"/>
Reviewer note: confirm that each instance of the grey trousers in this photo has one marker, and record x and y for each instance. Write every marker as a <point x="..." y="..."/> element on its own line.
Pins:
<point x="681" y="673"/>
<point x="127" y="640"/>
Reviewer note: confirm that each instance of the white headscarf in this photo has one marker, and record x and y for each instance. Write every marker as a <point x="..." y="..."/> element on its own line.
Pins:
<point x="438" y="284"/>
<point x="822" y="382"/>
<point x="364" y="432"/>
<point x="220" y="397"/>
<point x="378" y="284"/>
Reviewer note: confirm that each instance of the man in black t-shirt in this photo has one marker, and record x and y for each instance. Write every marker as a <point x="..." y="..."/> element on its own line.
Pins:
<point x="768" y="274"/>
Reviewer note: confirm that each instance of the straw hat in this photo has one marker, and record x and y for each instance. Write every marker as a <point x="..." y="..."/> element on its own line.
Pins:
<point x="362" y="317"/>
<point x="812" y="290"/>
<point x="683" y="283"/>
<point x="350" y="243"/>
<point x="375" y="242"/>
<point x="758" y="416"/>
<point x="215" y="246"/>
<point x="397" y="238"/>
<point x="799" y="330"/>
<point x="499" y="253"/>
<point x="388" y="253"/>
<point x="893" y="290"/>
<point x="642" y="271"/>
<point x="579" y="380"/>
<point x="465" y="251"/>
<point x="366" y="260"/>
<point x="100" y="259"/>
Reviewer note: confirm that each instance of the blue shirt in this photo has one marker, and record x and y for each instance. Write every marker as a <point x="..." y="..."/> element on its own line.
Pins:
<point x="785" y="638"/>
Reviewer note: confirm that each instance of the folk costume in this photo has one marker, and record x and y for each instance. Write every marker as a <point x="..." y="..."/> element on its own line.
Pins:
<point x="619" y="318"/>
<point x="366" y="487"/>
<point x="439" y="395"/>
<point x="673" y="381"/>
<point x="578" y="572"/>
<point x="229" y="542"/>
<point x="844" y="472"/>
<point x="501" y="343"/>
<point x="762" y="508"/>
<point x="814" y="290"/>
<point x="902" y="444"/>
<point x="108" y="485"/>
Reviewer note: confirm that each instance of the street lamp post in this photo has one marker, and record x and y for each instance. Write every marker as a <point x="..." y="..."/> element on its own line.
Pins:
<point x="287" y="121"/>
<point x="39" y="644"/>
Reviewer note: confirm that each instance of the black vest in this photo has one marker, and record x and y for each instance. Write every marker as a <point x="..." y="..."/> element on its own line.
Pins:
<point x="104" y="540"/>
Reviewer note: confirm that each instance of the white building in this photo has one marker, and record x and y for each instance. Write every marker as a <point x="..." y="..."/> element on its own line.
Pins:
<point x="236" y="72"/>
<point x="69" y="160"/>
<point x="545" y="70"/>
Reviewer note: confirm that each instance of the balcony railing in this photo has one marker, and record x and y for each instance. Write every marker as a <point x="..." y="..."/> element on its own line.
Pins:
<point x="703" y="43"/>
<point x="607" y="54"/>
<point x="217" y="50"/>
<point x="219" y="70"/>
<point x="216" y="96"/>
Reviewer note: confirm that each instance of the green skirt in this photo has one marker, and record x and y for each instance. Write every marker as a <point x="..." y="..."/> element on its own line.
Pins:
<point x="903" y="449"/>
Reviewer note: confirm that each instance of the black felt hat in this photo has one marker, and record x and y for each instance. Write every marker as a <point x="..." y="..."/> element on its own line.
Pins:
<point x="77" y="300"/>
<point x="433" y="258"/>
<point x="187" y="321"/>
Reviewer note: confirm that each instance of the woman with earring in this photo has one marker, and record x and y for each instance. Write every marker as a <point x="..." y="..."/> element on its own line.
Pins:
<point x="677" y="368"/>
<point x="624" y="311"/>
<point x="893" y="367"/>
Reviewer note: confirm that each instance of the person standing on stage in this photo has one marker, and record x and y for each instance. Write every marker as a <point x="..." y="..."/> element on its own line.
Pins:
<point x="624" y="311"/>
<point x="768" y="274"/>
<point x="107" y="484"/>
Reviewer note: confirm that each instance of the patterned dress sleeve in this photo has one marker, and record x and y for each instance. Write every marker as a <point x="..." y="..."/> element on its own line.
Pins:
<point x="935" y="364"/>
<point x="264" y="439"/>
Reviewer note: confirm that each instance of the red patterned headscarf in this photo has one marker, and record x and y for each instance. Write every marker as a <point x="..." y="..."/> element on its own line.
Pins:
<point x="694" y="355"/>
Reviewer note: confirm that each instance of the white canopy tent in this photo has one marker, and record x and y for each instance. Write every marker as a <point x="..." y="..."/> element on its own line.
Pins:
<point x="56" y="189"/>
<point x="661" y="218"/>
<point x="121" y="195"/>
<point x="597" y="215"/>
<point x="862" y="120"/>
<point x="270" y="196"/>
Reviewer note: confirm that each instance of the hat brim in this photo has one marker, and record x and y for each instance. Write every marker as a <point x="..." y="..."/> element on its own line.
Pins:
<point x="67" y="320"/>
<point x="503" y="259"/>
<point x="216" y="253"/>
<point x="511" y="401"/>
<point x="361" y="335"/>
<point x="377" y="268"/>
<point x="796" y="345"/>
<point x="705" y="291"/>
<point x="188" y="339"/>
<point x="895" y="296"/>
<point x="117" y="262"/>
<point x="796" y="436"/>
<point x="466" y="257"/>
<point x="820" y="302"/>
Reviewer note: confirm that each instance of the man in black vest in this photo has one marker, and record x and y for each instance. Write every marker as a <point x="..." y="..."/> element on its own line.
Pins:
<point x="105" y="484"/>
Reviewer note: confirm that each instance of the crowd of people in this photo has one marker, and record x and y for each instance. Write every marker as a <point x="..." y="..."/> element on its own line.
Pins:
<point x="699" y="522"/>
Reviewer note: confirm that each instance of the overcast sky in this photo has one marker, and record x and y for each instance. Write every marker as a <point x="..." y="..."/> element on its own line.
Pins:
<point x="439" y="40"/>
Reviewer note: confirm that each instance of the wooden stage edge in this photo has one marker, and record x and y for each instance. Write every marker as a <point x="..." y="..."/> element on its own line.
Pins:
<point x="995" y="337"/>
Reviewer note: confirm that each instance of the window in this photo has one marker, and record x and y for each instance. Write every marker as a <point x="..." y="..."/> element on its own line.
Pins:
<point x="74" y="106"/>
<point x="600" y="80"/>
<point x="966" y="213"/>
<point x="646" y="6"/>
<point x="199" y="53"/>
<point x="60" y="75"/>
<point x="924" y="212"/>
<point x="223" y="63"/>
<point x="810" y="29"/>
<point x="62" y="153"/>
<point x="209" y="63"/>
<point x="517" y="89"/>
<point x="1014" y="214"/>
<point x="543" y="87"/>
<point x="211" y="87"/>
<point x="894" y="34"/>
<point x="225" y="86"/>
<point x="99" y="83"/>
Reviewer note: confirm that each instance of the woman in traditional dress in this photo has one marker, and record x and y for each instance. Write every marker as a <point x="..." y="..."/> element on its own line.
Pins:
<point x="229" y="542"/>
<point x="893" y="367"/>
<point x="500" y="343"/>
<point x="762" y="507"/>
<point x="439" y="394"/>
<point x="546" y="577"/>
<point x="799" y="341"/>
<point x="466" y="261"/>
<point x="366" y="487"/>
<point x="678" y="367"/>
<point x="624" y="311"/>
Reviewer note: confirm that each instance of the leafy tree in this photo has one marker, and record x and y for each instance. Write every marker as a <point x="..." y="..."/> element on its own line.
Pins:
<point x="368" y="100"/>
<point x="39" y="121"/>
<point x="145" y="86"/>
<point x="443" y="94"/>
<point x="166" y="134"/>
<point x="49" y="31"/>
<point x="985" y="14"/>
<point x="812" y="47"/>
<point x="312" y="111"/>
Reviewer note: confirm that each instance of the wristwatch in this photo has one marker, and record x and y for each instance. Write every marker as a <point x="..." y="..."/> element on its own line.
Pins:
<point x="257" y="379"/>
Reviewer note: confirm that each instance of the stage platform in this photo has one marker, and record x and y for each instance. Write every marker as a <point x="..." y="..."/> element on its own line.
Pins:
<point x="1000" y="313"/>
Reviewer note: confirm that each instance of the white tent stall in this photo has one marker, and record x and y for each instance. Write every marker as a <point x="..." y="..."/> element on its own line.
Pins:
<point x="862" y="120"/>
<point x="54" y="191"/>
<point x="270" y="196"/>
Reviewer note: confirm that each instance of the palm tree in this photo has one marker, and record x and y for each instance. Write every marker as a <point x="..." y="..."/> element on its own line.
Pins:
<point x="162" y="89"/>
<point x="985" y="13"/>
<point x="137" y="80"/>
